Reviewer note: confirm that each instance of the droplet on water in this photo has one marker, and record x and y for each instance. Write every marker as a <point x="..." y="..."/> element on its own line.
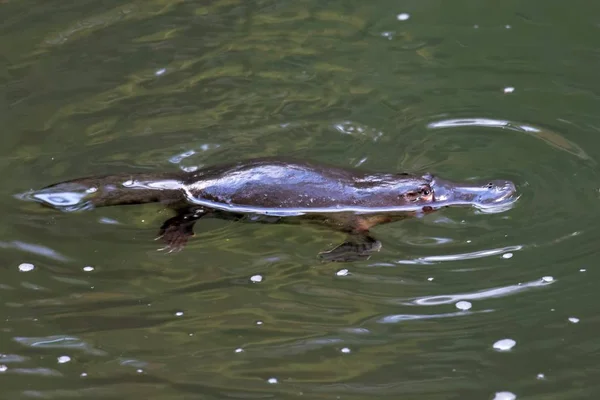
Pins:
<point x="88" y="268"/>
<point x="179" y="313"/>
<point x="239" y="350"/>
<point x="573" y="320"/>
<point x="507" y="255"/>
<point x="272" y="380"/>
<point x="504" y="344"/>
<point x="342" y="272"/>
<point x="403" y="16"/>
<point x="463" y="305"/>
<point x="541" y="376"/>
<point x="509" y="89"/>
<point x="547" y="278"/>
<point x="256" y="278"/>
<point x="345" y="350"/>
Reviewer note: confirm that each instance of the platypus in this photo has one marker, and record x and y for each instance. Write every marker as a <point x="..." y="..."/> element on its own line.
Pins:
<point x="278" y="190"/>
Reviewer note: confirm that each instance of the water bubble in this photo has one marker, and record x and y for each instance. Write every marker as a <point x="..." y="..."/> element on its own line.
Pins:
<point x="345" y="350"/>
<point x="179" y="313"/>
<point x="64" y="359"/>
<point x="83" y="374"/>
<point x="3" y="368"/>
<point x="507" y="255"/>
<point x="139" y="371"/>
<point x="573" y="320"/>
<point x="430" y="278"/>
<point x="256" y="278"/>
<point x="541" y="376"/>
<point x="403" y="16"/>
<point x="507" y="26"/>
<point x="582" y="270"/>
<point x="26" y="267"/>
<point x="239" y="350"/>
<point x="505" y="396"/>
<point x="88" y="268"/>
<point x="463" y="305"/>
<point x="547" y="278"/>
<point x="160" y="72"/>
<point x="509" y="89"/>
<point x="272" y="380"/>
<point x="504" y="344"/>
<point x="259" y="322"/>
<point x="476" y="26"/>
<point x="342" y="272"/>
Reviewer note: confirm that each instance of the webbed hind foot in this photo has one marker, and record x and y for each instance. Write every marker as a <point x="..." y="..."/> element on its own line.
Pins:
<point x="357" y="247"/>
<point x="175" y="232"/>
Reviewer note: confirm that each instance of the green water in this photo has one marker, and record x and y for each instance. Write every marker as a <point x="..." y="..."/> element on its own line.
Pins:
<point x="97" y="87"/>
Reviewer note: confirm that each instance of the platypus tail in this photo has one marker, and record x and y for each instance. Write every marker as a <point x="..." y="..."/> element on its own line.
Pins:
<point x="110" y="190"/>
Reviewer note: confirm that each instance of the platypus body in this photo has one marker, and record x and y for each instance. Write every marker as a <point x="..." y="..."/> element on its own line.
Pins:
<point x="273" y="190"/>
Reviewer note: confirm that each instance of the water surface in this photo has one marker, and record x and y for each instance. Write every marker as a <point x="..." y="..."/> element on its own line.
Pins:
<point x="462" y="89"/>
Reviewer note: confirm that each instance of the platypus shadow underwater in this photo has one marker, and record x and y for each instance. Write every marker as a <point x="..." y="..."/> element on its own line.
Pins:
<point x="275" y="190"/>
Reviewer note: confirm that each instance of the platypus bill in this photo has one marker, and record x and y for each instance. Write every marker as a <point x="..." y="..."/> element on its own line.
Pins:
<point x="275" y="190"/>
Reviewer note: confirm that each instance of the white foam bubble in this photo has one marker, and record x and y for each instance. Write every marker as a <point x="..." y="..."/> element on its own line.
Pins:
<point x="505" y="396"/>
<point x="509" y="89"/>
<point x="573" y="320"/>
<point x="256" y="278"/>
<point x="547" y="278"/>
<point x="507" y="255"/>
<point x="342" y="272"/>
<point x="88" y="268"/>
<point x="345" y="350"/>
<point x="272" y="380"/>
<point x="463" y="305"/>
<point x="64" y="359"/>
<point x="26" y="267"/>
<point x="179" y="313"/>
<point x="504" y="344"/>
<point x="403" y="16"/>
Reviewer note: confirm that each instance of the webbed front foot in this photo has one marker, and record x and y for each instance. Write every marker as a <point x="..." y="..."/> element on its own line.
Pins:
<point x="356" y="248"/>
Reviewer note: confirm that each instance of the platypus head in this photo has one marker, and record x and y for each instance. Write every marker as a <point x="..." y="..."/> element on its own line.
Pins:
<point x="486" y="195"/>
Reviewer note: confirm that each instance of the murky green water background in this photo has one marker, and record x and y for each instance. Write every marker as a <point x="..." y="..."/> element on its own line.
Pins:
<point x="94" y="87"/>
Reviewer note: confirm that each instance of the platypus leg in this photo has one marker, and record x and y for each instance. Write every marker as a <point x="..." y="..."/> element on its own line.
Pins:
<point x="360" y="245"/>
<point x="176" y="231"/>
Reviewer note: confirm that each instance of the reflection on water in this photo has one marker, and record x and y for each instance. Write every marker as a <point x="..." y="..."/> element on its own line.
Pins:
<point x="552" y="138"/>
